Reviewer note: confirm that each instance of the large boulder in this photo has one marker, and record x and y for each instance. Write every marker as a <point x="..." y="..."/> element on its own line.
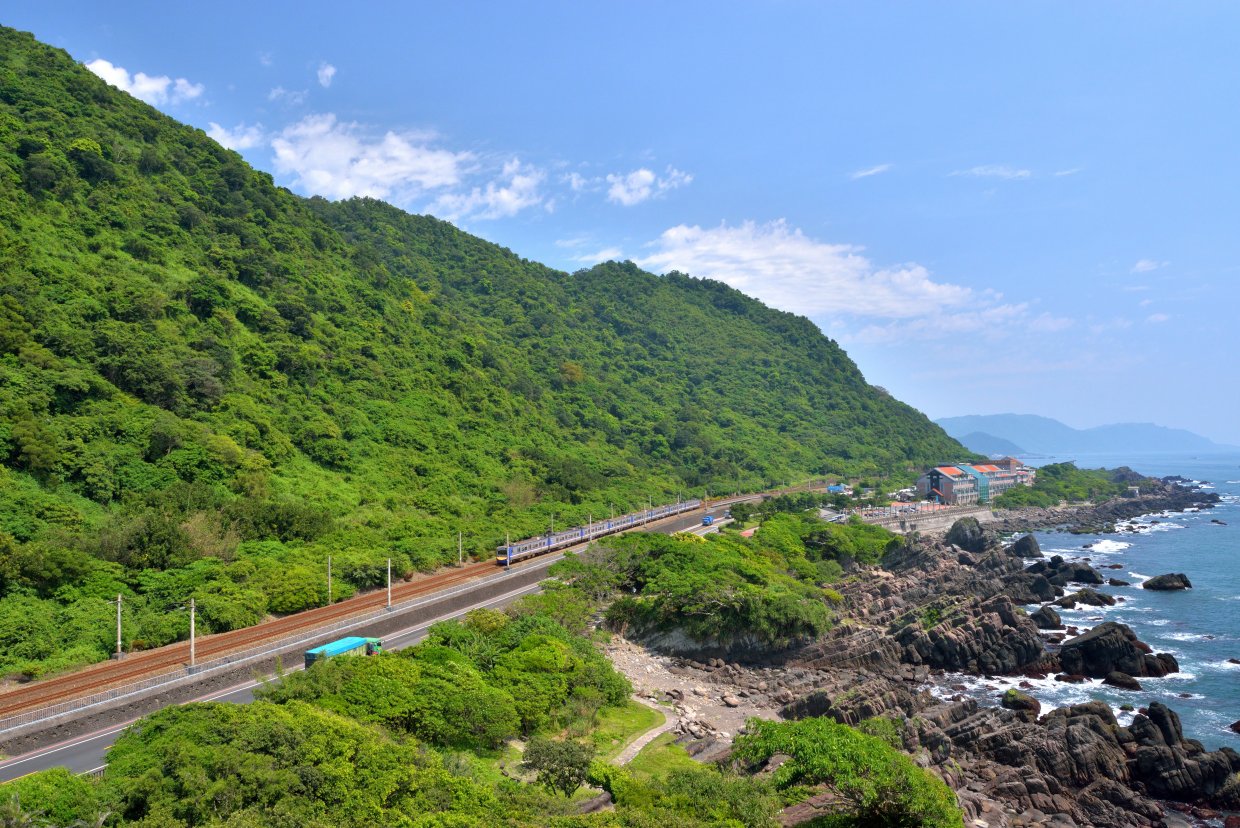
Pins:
<point x="1169" y="582"/>
<point x="1027" y="547"/>
<point x="1060" y="572"/>
<point x="967" y="534"/>
<point x="1027" y="705"/>
<point x="1088" y="597"/>
<point x="1047" y="619"/>
<point x="1030" y="588"/>
<point x="1121" y="680"/>
<point x="1111" y="647"/>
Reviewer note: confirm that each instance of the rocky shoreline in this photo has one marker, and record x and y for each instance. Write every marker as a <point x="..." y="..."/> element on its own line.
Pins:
<point x="1103" y="518"/>
<point x="953" y="605"/>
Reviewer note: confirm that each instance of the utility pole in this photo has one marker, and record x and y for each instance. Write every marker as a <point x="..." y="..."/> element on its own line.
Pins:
<point x="460" y="550"/>
<point x="389" y="597"/>
<point x="589" y="525"/>
<point x="192" y="612"/>
<point x="329" y="580"/>
<point x="119" y="599"/>
<point x="507" y="551"/>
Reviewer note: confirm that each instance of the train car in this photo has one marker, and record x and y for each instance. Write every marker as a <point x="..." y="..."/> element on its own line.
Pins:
<point x="354" y="645"/>
<point x="551" y="542"/>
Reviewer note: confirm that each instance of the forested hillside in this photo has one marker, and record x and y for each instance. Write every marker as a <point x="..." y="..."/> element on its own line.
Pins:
<point x="208" y="383"/>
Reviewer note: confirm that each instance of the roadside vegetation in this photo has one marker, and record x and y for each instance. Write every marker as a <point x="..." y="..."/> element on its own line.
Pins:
<point x="770" y="590"/>
<point x="1064" y="482"/>
<point x="424" y="737"/>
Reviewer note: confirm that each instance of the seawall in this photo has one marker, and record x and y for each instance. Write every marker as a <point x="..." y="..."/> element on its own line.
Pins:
<point x="938" y="520"/>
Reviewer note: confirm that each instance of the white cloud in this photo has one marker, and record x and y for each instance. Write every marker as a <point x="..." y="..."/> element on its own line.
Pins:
<point x="326" y="73"/>
<point x="869" y="171"/>
<point x="1157" y="317"/>
<point x="287" y="96"/>
<point x="578" y="182"/>
<point x="239" y="138"/>
<point x="338" y="160"/>
<point x="995" y="171"/>
<point x="154" y="89"/>
<point x="265" y="58"/>
<point x="517" y="187"/>
<point x="1147" y="265"/>
<point x="1072" y="171"/>
<point x="643" y="184"/>
<point x="788" y="270"/>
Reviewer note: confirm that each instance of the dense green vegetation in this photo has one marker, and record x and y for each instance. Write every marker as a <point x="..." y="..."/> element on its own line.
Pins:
<point x="417" y="738"/>
<point x="1060" y="482"/>
<point x="472" y="684"/>
<point x="208" y="384"/>
<point x="769" y="589"/>
<point x="877" y="785"/>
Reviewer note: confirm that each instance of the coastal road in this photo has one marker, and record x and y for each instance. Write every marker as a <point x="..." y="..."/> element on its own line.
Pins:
<point x="86" y="753"/>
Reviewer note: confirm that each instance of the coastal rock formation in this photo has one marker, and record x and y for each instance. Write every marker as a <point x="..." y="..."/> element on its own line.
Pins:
<point x="1015" y="700"/>
<point x="1047" y="619"/>
<point x="1171" y="498"/>
<point x="1111" y="647"/>
<point x="956" y="606"/>
<point x="1060" y="572"/>
<point x="1168" y="582"/>
<point x="968" y="534"/>
<point x="1121" y="680"/>
<point x="1027" y="547"/>
<point x="989" y="639"/>
<point x="1088" y="597"/>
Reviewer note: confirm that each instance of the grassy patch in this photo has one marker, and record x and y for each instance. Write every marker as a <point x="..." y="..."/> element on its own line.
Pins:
<point x="620" y="725"/>
<point x="659" y="758"/>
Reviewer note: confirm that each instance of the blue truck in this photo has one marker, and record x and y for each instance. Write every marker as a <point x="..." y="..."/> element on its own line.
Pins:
<point x="354" y="645"/>
<point x="708" y="520"/>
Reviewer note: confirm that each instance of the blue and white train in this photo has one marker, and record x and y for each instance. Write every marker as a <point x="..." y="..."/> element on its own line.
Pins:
<point x="513" y="552"/>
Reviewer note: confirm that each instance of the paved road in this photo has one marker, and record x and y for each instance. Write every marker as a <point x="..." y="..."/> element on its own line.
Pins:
<point x="86" y="753"/>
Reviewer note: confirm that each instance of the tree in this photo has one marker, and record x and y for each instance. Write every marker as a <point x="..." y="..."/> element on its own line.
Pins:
<point x="561" y="765"/>
<point x="877" y="785"/>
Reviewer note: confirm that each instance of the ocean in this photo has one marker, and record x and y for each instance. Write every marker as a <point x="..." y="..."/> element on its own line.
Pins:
<point x="1200" y="627"/>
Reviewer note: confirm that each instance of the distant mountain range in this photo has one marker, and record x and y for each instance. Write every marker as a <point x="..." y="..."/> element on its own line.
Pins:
<point x="1025" y="434"/>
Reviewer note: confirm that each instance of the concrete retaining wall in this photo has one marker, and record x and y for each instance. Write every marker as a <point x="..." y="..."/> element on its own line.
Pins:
<point x="937" y="521"/>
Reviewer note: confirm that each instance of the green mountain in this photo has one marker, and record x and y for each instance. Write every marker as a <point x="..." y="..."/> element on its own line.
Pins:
<point x="208" y="383"/>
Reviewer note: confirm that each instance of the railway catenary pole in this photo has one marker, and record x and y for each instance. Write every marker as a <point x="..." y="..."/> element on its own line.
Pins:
<point x="119" y="599"/>
<point x="329" y="580"/>
<point x="460" y="549"/>
<point x="389" y="591"/>
<point x="192" y="612"/>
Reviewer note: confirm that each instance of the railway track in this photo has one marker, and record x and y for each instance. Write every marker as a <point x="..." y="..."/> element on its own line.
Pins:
<point x="136" y="666"/>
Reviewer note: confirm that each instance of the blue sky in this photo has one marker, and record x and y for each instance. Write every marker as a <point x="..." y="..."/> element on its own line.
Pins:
<point x="994" y="207"/>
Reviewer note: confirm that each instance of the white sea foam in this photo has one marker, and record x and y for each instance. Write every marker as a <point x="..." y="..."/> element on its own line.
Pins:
<point x="1143" y="578"/>
<point x="1159" y="622"/>
<point x="1222" y="665"/>
<point x="1184" y="636"/>
<point x="1109" y="547"/>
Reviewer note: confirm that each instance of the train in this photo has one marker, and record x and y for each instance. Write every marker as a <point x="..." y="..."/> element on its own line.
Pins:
<point x="512" y="552"/>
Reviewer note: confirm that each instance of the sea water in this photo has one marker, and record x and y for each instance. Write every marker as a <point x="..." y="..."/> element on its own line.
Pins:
<point x="1200" y="626"/>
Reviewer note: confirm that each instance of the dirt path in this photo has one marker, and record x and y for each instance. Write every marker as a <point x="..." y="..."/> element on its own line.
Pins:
<point x="670" y="722"/>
